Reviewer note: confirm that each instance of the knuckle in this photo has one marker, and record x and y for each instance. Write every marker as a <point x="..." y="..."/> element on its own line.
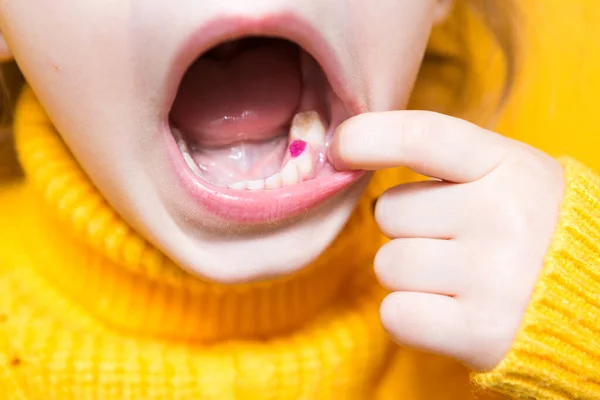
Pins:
<point x="533" y="176"/>
<point x="418" y="129"/>
<point x="505" y="215"/>
<point x="490" y="337"/>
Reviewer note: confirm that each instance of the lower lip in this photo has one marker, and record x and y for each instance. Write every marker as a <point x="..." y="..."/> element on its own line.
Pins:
<point x="257" y="207"/>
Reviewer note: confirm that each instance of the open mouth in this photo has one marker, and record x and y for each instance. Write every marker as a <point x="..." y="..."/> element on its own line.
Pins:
<point x="254" y="113"/>
<point x="252" y="119"/>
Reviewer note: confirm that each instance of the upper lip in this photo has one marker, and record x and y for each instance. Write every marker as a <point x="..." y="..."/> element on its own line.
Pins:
<point x="279" y="204"/>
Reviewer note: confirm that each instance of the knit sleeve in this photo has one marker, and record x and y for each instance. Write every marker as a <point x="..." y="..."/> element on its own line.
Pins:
<point x="556" y="353"/>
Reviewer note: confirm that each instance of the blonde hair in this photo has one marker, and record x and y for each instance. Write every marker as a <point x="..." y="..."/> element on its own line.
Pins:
<point x="502" y="19"/>
<point x="498" y="15"/>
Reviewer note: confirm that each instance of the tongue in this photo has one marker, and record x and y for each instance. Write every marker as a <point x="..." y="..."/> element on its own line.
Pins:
<point x="250" y="96"/>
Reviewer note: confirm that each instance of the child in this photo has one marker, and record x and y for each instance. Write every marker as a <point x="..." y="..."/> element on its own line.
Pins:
<point x="194" y="219"/>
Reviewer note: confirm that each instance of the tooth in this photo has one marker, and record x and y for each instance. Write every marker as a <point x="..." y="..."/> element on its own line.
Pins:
<point x="295" y="170"/>
<point x="304" y="164"/>
<point x="185" y="151"/>
<point x="191" y="163"/>
<point x="241" y="185"/>
<point x="183" y="147"/>
<point x="273" y="182"/>
<point x="255" y="185"/>
<point x="308" y="126"/>
<point x="289" y="174"/>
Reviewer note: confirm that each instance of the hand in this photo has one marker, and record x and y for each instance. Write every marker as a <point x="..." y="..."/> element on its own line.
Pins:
<point x="467" y="247"/>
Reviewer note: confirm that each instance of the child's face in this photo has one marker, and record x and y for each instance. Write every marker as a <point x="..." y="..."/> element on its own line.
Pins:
<point x="110" y="73"/>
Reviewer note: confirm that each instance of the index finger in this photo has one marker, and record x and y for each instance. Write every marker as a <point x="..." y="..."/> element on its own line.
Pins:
<point x="429" y="143"/>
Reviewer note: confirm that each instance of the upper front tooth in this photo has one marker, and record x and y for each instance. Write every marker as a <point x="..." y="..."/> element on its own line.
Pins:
<point x="273" y="182"/>
<point x="308" y="126"/>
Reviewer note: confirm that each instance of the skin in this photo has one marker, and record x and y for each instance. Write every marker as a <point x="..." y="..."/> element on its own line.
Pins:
<point x="110" y="60"/>
<point x="466" y="248"/>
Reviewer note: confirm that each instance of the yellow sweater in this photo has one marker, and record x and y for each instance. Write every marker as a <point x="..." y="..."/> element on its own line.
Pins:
<point x="90" y="310"/>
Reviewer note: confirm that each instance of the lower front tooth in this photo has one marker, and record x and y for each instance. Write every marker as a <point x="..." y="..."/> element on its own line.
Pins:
<point x="192" y="164"/>
<point x="255" y="185"/>
<point x="289" y="174"/>
<point x="273" y="182"/>
<point x="241" y="185"/>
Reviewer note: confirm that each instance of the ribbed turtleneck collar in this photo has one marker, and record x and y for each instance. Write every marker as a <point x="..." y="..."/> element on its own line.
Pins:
<point x="120" y="278"/>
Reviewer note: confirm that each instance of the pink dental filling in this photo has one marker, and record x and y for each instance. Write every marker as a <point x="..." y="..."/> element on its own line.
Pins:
<point x="297" y="147"/>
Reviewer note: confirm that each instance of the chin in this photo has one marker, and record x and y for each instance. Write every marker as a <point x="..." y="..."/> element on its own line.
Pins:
<point x="253" y="254"/>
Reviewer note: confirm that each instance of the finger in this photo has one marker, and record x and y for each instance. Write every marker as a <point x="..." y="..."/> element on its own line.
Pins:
<point x="431" y="144"/>
<point x="430" y="209"/>
<point x="421" y="265"/>
<point x="424" y="321"/>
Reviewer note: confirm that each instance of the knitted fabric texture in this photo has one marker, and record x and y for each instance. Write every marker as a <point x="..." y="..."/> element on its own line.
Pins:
<point x="557" y="352"/>
<point x="90" y="310"/>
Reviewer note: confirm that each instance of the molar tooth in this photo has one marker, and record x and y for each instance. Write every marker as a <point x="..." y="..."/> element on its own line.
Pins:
<point x="255" y="185"/>
<point x="273" y="182"/>
<point x="308" y="126"/>
<point x="192" y="164"/>
<point x="181" y="143"/>
<point x="185" y="151"/>
<point x="241" y="185"/>
<point x="289" y="174"/>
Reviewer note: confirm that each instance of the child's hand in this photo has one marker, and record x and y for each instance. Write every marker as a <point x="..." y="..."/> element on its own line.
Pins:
<point x="466" y="251"/>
